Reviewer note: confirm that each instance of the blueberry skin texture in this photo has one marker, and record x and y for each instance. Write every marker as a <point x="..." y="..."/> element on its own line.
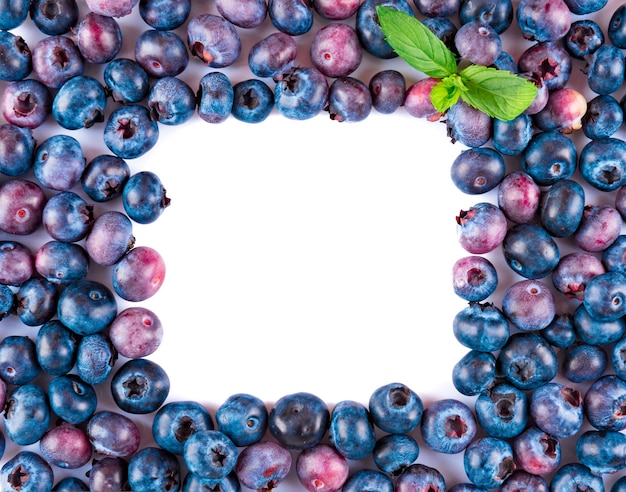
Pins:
<point x="110" y="238"/>
<point x="530" y="251"/>
<point x="602" y="451"/>
<point x="444" y="29"/>
<point x="67" y="217"/>
<point x="263" y="465"/>
<point x="253" y="101"/>
<point x="26" y="103"/>
<point x="109" y="473"/>
<point x="479" y="170"/>
<point x="503" y="411"/>
<point x="481" y="326"/>
<point x="35" y="301"/>
<point x="301" y="93"/>
<point x="478" y="42"/>
<point x="560" y="333"/>
<point x="194" y="482"/>
<point x="27" y="414"/>
<point x="60" y="262"/>
<point x="125" y="81"/>
<point x="70" y="484"/>
<point x="349" y="99"/>
<point x="17" y="263"/>
<point x="22" y="205"/>
<point x="557" y="409"/>
<point x="618" y="358"/>
<point x="293" y="17"/>
<point x="474" y="373"/>
<point x="420" y="477"/>
<point x="272" y="55"/>
<point x="602" y="163"/>
<point x="213" y="40"/>
<point x="87" y="307"/>
<point x="605" y="69"/>
<point x="56" y="59"/>
<point x="388" y="89"/>
<point x="139" y="274"/>
<point x="536" y="451"/>
<point x="98" y="37"/>
<point x="549" y="156"/>
<point x="368" y="29"/>
<point x="594" y="331"/>
<point x="176" y="421"/>
<point x="104" y="177"/>
<point x="605" y="296"/>
<point x="215" y="97"/>
<point x="299" y="420"/>
<point x="395" y="408"/>
<point x="474" y="278"/>
<point x="393" y="453"/>
<point x="54" y="17"/>
<point x="448" y="426"/>
<point x="95" y="358"/>
<point x="153" y="469"/>
<point x="550" y="60"/>
<point x="468" y="125"/>
<point x="13" y="13"/>
<point x="210" y="454"/>
<point x="603" y="118"/>
<point x="171" y="101"/>
<point x="18" y="360"/>
<point x="16" y="60"/>
<point x="161" y="53"/>
<point x="30" y="470"/>
<point x="164" y="15"/>
<point x="71" y="399"/>
<point x="7" y="300"/>
<point x="79" y="103"/>
<point x="243" y="418"/>
<point x="140" y="386"/>
<point x="113" y="434"/>
<point x="539" y="21"/>
<point x="512" y="137"/>
<point x="616" y="30"/>
<point x="16" y="154"/>
<point x="561" y="208"/>
<point x="583" y="38"/>
<point x="522" y="480"/>
<point x="604" y="401"/>
<point x="144" y="197"/>
<point x="59" y="162"/>
<point x="527" y="361"/>
<point x="584" y="362"/>
<point x="370" y="480"/>
<point x="619" y="485"/>
<point x="575" y="476"/>
<point x="496" y="13"/>
<point x="351" y="430"/>
<point x="488" y="461"/>
<point x="129" y="131"/>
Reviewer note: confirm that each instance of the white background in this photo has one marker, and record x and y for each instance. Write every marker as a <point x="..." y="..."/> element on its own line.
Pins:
<point x="304" y="255"/>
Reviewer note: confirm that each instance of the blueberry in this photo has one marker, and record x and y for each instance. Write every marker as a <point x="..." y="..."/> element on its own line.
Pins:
<point x="481" y="228"/>
<point x="125" y="81"/>
<point x="299" y="420"/>
<point x="215" y="97"/>
<point x="530" y="251"/>
<point x="331" y="10"/>
<point x="572" y="476"/>
<point x="7" y="300"/>
<point x="583" y="38"/>
<point x="417" y="100"/>
<point x="22" y="205"/>
<point x="113" y="434"/>
<point x="605" y="295"/>
<point x="263" y="465"/>
<point x="522" y="480"/>
<point x="17" y="263"/>
<point x="129" y="131"/>
<point x="60" y="262"/>
<point x="351" y="430"/>
<point x="488" y="461"/>
<point x="502" y="411"/>
<point x="213" y="40"/>
<point x="519" y="197"/>
<point x="595" y="331"/>
<point x="419" y="477"/>
<point x="335" y="50"/>
<point x="550" y="61"/>
<point x="478" y="170"/>
<point x="18" y="149"/>
<point x="161" y="53"/>
<point x="583" y="362"/>
<point x="448" y="426"/>
<point x="27" y="471"/>
<point x="604" y="402"/>
<point x="536" y="451"/>
<point x="496" y="13"/>
<point x="253" y="100"/>
<point x="87" y="307"/>
<point x="618" y="359"/>
<point x="139" y="274"/>
<point x="95" y="358"/>
<point x="512" y="137"/>
<point x="108" y="474"/>
<point x="71" y="399"/>
<point x="543" y="21"/>
<point x="195" y="482"/>
<point x="474" y="278"/>
<point x="16" y="60"/>
<point x="561" y="208"/>
<point x="599" y="228"/>
<point x="144" y="197"/>
<point x="322" y="467"/>
<point x="467" y="125"/>
<point x="366" y="479"/>
<point x="56" y="59"/>
<point x="110" y="238"/>
<point x="563" y="111"/>
<point x="605" y="69"/>
<point x="104" y="177"/>
<point x="117" y="8"/>
<point x="481" y="326"/>
<point x="573" y="271"/>
<point x="140" y="386"/>
<point x="26" y="103"/>
<point x="13" y="13"/>
<point x="79" y="103"/>
<point x="527" y="361"/>
<point x="27" y="414"/>
<point x="444" y="29"/>
<point x="54" y="17"/>
<point x="560" y="333"/>
<point x="557" y="409"/>
<point x="136" y="332"/>
<point x="349" y="99"/>
<point x="301" y="93"/>
<point x="479" y="43"/>
<point x="36" y="301"/>
<point x="549" y="156"/>
<point x="602" y="451"/>
<point x="66" y="446"/>
<point x="388" y="89"/>
<point x="603" y="118"/>
<point x="246" y="15"/>
<point x="154" y="469"/>
<point x="393" y="453"/>
<point x="171" y="101"/>
<point x="98" y="37"/>
<point x="70" y="484"/>
<point x="59" y="162"/>
<point x="602" y="163"/>
<point x="243" y="418"/>
<point x="395" y="408"/>
<point x="474" y="373"/>
<point x="164" y="15"/>
<point x="369" y="31"/>
<point x="176" y="421"/>
<point x="18" y="360"/>
<point x="293" y="17"/>
<point x="67" y="217"/>
<point x="616" y="30"/>
<point x="272" y="55"/>
<point x="581" y="7"/>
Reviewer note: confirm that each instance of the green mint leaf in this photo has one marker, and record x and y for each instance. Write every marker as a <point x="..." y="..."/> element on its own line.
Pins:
<point x="499" y="93"/>
<point x="415" y="43"/>
<point x="447" y="92"/>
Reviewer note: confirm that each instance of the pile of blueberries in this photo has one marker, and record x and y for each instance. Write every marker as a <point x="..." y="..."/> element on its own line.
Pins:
<point x="528" y="359"/>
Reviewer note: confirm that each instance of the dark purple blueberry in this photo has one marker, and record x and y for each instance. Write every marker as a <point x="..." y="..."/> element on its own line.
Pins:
<point x="301" y="93"/>
<point x="574" y="271"/>
<point x="293" y="17"/>
<point x="70" y="484"/>
<point x="488" y="462"/>
<point x="527" y="361"/>
<point x="67" y="217"/>
<point x="56" y="59"/>
<point x="59" y="162"/>
<point x="243" y="418"/>
<point x="512" y="137"/>
<point x="395" y="408"/>
<point x="154" y="469"/>
<point x="549" y="156"/>
<point x="603" y="118"/>
<point x="247" y="15"/>
<point x="113" y="434"/>
<point x="594" y="331"/>
<point x="366" y="479"/>
<point x="584" y="362"/>
<point x="333" y="10"/>
<point x="437" y="8"/>
<point x="581" y="7"/>
<point x="161" y="53"/>
<point x="481" y="228"/>
<point x="557" y="409"/>
<point x="7" y="301"/>
<point x="125" y="81"/>
<point x="602" y="451"/>
<point x="215" y="97"/>
<point x="171" y="101"/>
<point x="368" y="28"/>
<point x="474" y="373"/>
<point x="66" y="446"/>
<point x="477" y="170"/>
<point x="13" y="13"/>
<point x="26" y="414"/>
<point x="18" y="360"/>
<point x="393" y="453"/>
<point x="388" y="89"/>
<point x="22" y="205"/>
<point x="109" y="474"/>
<point x="497" y="13"/>
<point x="272" y="55"/>
<point x="140" y="386"/>
<point x="17" y="150"/>
<point x="481" y="326"/>
<point x="263" y="465"/>
<point x="478" y="43"/>
<point x="583" y="38"/>
<point x="136" y="332"/>
<point x="349" y="99"/>
<point x="605" y="296"/>
<point x="299" y="420"/>
<point x="210" y="454"/>
<point x="519" y="197"/>
<point x="253" y="101"/>
<point x="616" y="29"/>
<point x="468" y="126"/>
<point x="16" y="61"/>
<point x="536" y="451"/>
<point x="502" y="411"/>
<point x="110" y="238"/>
<point x="447" y="426"/>
<point x="602" y="163"/>
<point x="605" y="69"/>
<point x="530" y="251"/>
<point x="420" y="477"/>
<point x="26" y="103"/>
<point x="474" y="278"/>
<point x="618" y="359"/>
<point x="130" y="132"/>
<point x="104" y="177"/>
<point x="335" y="50"/>
<point x="351" y="430"/>
<point x="599" y="228"/>
<point x="213" y="40"/>
<point x="139" y="274"/>
<point x="35" y="301"/>
<point x="54" y="17"/>
<point x="560" y="333"/>
<point x="176" y="421"/>
<point x="543" y="20"/>
<point x="27" y="471"/>
<point x="87" y="307"/>
<point x="322" y="469"/>
<point x="562" y="208"/>
<point x="98" y="37"/>
<point x="550" y="61"/>
<point x="522" y="480"/>
<point x="56" y="348"/>
<point x="112" y="8"/>
<point x="17" y="263"/>
<point x="95" y="358"/>
<point x="164" y="15"/>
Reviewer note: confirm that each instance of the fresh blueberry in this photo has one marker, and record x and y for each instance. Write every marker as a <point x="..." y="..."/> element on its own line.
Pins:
<point x="56" y="59"/>
<point x="438" y="8"/>
<point x="594" y="331"/>
<point x="214" y="40"/>
<point x="26" y="103"/>
<point x="113" y="434"/>
<point x="512" y="137"/>
<point x="582" y="7"/>
<point x="583" y="38"/>
<point x="154" y="469"/>
<point x="18" y="360"/>
<point x="474" y="278"/>
<point x="388" y="89"/>
<point x="263" y="465"/>
<point x="602" y="451"/>
<point x="140" y="386"/>
<point x="605" y="69"/>
<point x="395" y="408"/>
<point x="17" y="263"/>
<point x="113" y="8"/>
<point x="369" y="31"/>
<point x="618" y="359"/>
<point x="477" y="170"/>
<point x="573" y="271"/>
<point x="26" y="414"/>
<point x="253" y="100"/>
<point x="110" y="238"/>
<point x="366" y="479"/>
<point x="332" y="10"/>
<point x="481" y="326"/>
<point x="335" y="50"/>
<point x="322" y="467"/>
<point x="193" y="482"/>
<point x="549" y="156"/>
<point x="393" y="453"/>
<point x="550" y="61"/>
<point x="243" y="418"/>
<point x="161" y="53"/>
<point x="527" y="361"/>
<point x="522" y="480"/>
<point x="301" y="93"/>
<point x="420" y="477"/>
<point x="560" y="333"/>
<point x="22" y="205"/>
<point x="584" y="362"/>
<point x="70" y="484"/>
<point x="474" y="373"/>
<point x="54" y="17"/>
<point x="17" y="151"/>
<point x="519" y="197"/>
<point x="502" y="411"/>
<point x="530" y="251"/>
<point x="299" y="420"/>
<point x="71" y="399"/>
<point x="79" y="103"/>
<point x="136" y="332"/>
<point x="7" y="301"/>
<point x="95" y="358"/>
<point x="351" y="430"/>
<point x="561" y="208"/>
<point x="488" y="461"/>
<point x="66" y="446"/>
<point x="349" y="99"/>
<point x="557" y="409"/>
<point x="563" y="112"/>
<point x="59" y="162"/>
<point x="603" y="118"/>
<point x="60" y="262"/>
<point x="215" y="97"/>
<point x="16" y="60"/>
<point x="164" y="15"/>
<point x="87" y="307"/>
<point x="139" y="274"/>
<point x="272" y="55"/>
<point x="104" y="177"/>
<point x="129" y="131"/>
<point x="98" y="37"/>
<point x="496" y="13"/>
<point x="543" y="20"/>
<point x="444" y="28"/>
<point x="176" y="421"/>
<point x="448" y="426"/>
<point x="293" y="17"/>
<point x="125" y="81"/>
<point x="246" y="15"/>
<point x="27" y="471"/>
<point x="481" y="228"/>
<point x="616" y="30"/>
<point x="108" y="474"/>
<point x="602" y="163"/>
<point x="605" y="296"/>
<point x="171" y="101"/>
<point x="576" y="476"/>
<point x="599" y="227"/>
<point x="604" y="403"/>
<point x="536" y="451"/>
<point x="35" y="301"/>
<point x="468" y="125"/>
<point x="13" y="13"/>
<point x="479" y="43"/>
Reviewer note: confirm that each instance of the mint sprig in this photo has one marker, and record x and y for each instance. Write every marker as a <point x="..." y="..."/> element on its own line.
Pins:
<point x="499" y="93"/>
